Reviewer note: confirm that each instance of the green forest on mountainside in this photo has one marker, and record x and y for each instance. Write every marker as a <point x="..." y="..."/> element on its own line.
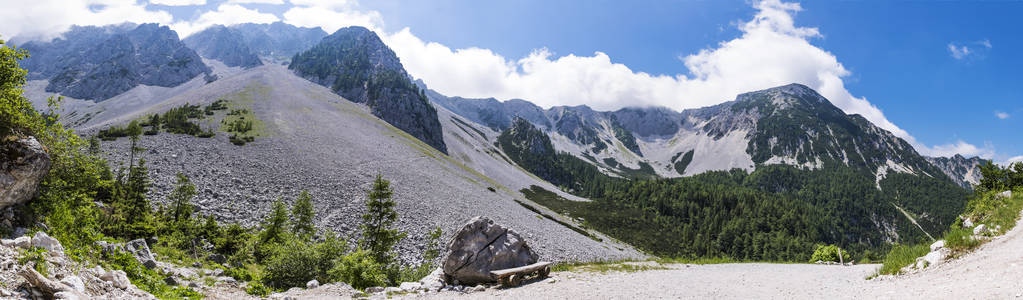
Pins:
<point x="776" y="213"/>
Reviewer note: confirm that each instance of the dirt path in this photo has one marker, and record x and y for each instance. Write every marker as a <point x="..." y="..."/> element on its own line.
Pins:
<point x="994" y="271"/>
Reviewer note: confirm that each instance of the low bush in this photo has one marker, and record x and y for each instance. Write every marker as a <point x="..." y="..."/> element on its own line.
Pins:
<point x="360" y="270"/>
<point x="901" y="256"/>
<point x="830" y="253"/>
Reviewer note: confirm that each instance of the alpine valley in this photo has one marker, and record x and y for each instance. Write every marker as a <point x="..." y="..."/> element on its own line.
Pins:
<point x="264" y="111"/>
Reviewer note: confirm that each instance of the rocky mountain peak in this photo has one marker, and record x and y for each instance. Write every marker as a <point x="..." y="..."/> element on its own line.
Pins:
<point x="224" y="44"/>
<point x="357" y="65"/>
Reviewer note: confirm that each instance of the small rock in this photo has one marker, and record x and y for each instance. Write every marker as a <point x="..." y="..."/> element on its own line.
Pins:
<point x="7" y="243"/>
<point x="980" y="229"/>
<point x="65" y="296"/>
<point x="938" y="245"/>
<point x="410" y="286"/>
<point x="74" y="282"/>
<point x="392" y="289"/>
<point x="312" y="284"/>
<point x="967" y="223"/>
<point x="479" y="288"/>
<point x="1005" y="194"/>
<point x="171" y="281"/>
<point x="226" y="279"/>
<point x="116" y="277"/>
<point x="193" y="285"/>
<point x="197" y="265"/>
<point x="374" y="290"/>
<point x="217" y="258"/>
<point x="23" y="242"/>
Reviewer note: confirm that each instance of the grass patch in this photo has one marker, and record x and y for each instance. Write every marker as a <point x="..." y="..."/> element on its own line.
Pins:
<point x="609" y="266"/>
<point x="901" y="256"/>
<point x="531" y="194"/>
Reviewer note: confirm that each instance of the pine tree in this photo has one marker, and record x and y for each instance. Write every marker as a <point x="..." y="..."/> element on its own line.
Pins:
<point x="273" y="226"/>
<point x="181" y="199"/>
<point x="302" y="215"/>
<point x="377" y="236"/>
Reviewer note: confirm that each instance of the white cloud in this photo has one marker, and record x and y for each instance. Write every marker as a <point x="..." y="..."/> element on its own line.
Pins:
<point x="958" y="52"/>
<point x="1002" y="115"/>
<point x="46" y="19"/>
<point x="962" y="148"/>
<point x="226" y="14"/>
<point x="986" y="43"/>
<point x="178" y="2"/>
<point x="1013" y="160"/>
<point x="331" y="15"/>
<point x="255" y="2"/>
<point x="771" y="51"/>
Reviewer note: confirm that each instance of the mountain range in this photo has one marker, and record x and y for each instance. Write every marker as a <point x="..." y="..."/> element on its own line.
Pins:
<point x="344" y="108"/>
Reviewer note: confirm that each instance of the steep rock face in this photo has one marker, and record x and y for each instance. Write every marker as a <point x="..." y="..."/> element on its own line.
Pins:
<point x="278" y="40"/>
<point x="652" y="121"/>
<point x="356" y="64"/>
<point x="964" y="171"/>
<point x="23" y="163"/>
<point x="529" y="147"/>
<point x="99" y="63"/>
<point x="223" y="44"/>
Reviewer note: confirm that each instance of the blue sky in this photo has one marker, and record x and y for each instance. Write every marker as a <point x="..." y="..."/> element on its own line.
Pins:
<point x="943" y="75"/>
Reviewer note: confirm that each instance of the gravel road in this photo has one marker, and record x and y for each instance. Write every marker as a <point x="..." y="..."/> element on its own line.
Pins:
<point x="994" y="271"/>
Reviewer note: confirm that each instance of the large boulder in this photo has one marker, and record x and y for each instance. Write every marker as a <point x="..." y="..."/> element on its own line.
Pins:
<point x="482" y="246"/>
<point x="23" y="163"/>
<point x="42" y="240"/>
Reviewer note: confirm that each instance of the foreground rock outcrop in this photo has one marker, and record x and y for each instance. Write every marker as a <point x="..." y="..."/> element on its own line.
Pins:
<point x="23" y="164"/>
<point x="482" y="246"/>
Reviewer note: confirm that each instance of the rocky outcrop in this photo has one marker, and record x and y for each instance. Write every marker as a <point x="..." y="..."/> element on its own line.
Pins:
<point x="482" y="246"/>
<point x="279" y="41"/>
<point x="963" y="171"/>
<point x="223" y="44"/>
<point x="23" y="164"/>
<point x="356" y="64"/>
<point x="99" y="63"/>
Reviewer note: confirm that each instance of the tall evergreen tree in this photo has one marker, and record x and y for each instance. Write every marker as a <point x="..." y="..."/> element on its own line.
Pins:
<point x="302" y="215"/>
<point x="377" y="235"/>
<point x="181" y="199"/>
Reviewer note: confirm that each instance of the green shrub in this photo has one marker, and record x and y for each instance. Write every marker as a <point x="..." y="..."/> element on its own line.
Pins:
<point x="960" y="239"/>
<point x="901" y="256"/>
<point x="296" y="262"/>
<point x="38" y="256"/>
<point x="829" y="253"/>
<point x="258" y="289"/>
<point x="360" y="270"/>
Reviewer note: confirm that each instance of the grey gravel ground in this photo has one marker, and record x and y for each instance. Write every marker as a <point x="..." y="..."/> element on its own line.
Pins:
<point x="333" y="148"/>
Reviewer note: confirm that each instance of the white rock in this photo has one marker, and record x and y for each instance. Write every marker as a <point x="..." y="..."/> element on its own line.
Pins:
<point x="65" y="296"/>
<point x="967" y="223"/>
<point x="74" y="282"/>
<point x="1005" y="194"/>
<point x="938" y="245"/>
<point x="980" y="229"/>
<point x="116" y="277"/>
<point x="374" y="290"/>
<point x="312" y="284"/>
<point x="936" y="257"/>
<point x="410" y="286"/>
<point x="7" y="243"/>
<point x="23" y="242"/>
<point x="392" y="289"/>
<point x="479" y="288"/>
<point x="42" y="240"/>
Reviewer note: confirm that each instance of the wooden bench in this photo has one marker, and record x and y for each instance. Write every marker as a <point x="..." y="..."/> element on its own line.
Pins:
<point x="514" y="276"/>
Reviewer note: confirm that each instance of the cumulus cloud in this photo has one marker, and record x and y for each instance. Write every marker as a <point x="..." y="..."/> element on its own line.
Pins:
<point x="1013" y="160"/>
<point x="962" y="148"/>
<point x="771" y="51"/>
<point x="178" y="2"/>
<point x="226" y="14"/>
<point x="1002" y="115"/>
<point x="46" y="19"/>
<point x="331" y="15"/>
<point x="962" y="51"/>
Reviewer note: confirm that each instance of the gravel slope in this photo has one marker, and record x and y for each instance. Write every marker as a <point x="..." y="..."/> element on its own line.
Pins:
<point x="333" y="148"/>
<point x="994" y="271"/>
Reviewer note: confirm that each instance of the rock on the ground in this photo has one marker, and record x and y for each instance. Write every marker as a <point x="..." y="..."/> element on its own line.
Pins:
<point x="217" y="258"/>
<point x="374" y="290"/>
<point x="392" y="289"/>
<point x="410" y="286"/>
<point x="1005" y="194"/>
<point x="312" y="284"/>
<point x="938" y="245"/>
<point x="74" y="282"/>
<point x="45" y="241"/>
<point x="482" y="246"/>
<point x="434" y="281"/>
<point x="23" y="163"/>
<point x="967" y="223"/>
<point x="23" y="242"/>
<point x="140" y="250"/>
<point x="116" y="277"/>
<point x="980" y="229"/>
<point x="65" y="296"/>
